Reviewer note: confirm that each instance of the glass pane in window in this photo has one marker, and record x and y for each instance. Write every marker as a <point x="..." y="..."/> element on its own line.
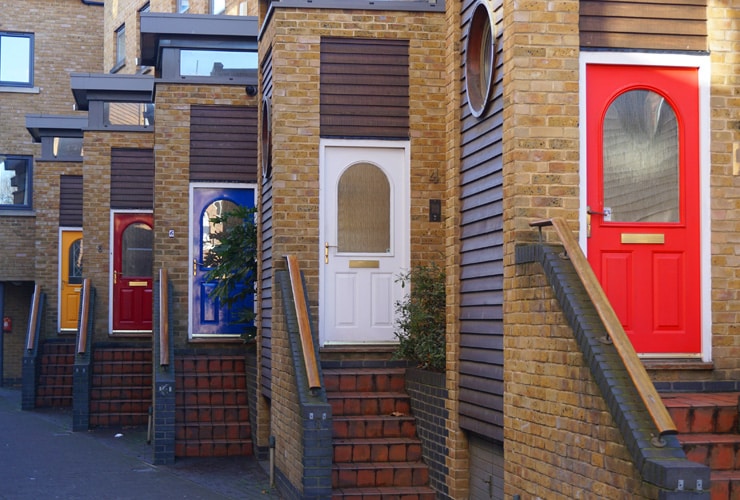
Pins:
<point x="217" y="63"/>
<point x="128" y="113"/>
<point x="75" y="262"/>
<point x="211" y="230"/>
<point x="121" y="45"/>
<point x="183" y="5"/>
<point x="218" y="6"/>
<point x="15" y="59"/>
<point x="364" y="210"/>
<point x="15" y="177"/>
<point x="67" y="147"/>
<point x="136" y="253"/>
<point x="641" y="181"/>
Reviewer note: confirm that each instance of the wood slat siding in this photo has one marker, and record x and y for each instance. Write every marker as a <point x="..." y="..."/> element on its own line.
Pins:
<point x="644" y="24"/>
<point x="364" y="88"/>
<point x="266" y="306"/>
<point x="132" y="178"/>
<point x="70" y="200"/>
<point x="223" y="144"/>
<point x="481" y="258"/>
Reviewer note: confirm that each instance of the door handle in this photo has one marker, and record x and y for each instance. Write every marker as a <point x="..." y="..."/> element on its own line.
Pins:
<point x="195" y="266"/>
<point x="589" y="213"/>
<point x="115" y="276"/>
<point x="327" y="246"/>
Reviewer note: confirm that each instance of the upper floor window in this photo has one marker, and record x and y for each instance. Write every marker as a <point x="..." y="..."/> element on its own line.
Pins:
<point x="120" y="46"/>
<point x="183" y="6"/>
<point x="15" y="182"/>
<point x="145" y="8"/>
<point x="218" y="6"/>
<point x="16" y="59"/>
<point x="217" y="63"/>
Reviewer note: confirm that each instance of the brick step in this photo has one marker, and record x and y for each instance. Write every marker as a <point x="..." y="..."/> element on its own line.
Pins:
<point x="365" y="380"/>
<point x="374" y="403"/>
<point x="121" y="368"/>
<point x="205" y="397"/>
<point x="123" y="354"/>
<point x="212" y="414"/>
<point x="703" y="412"/>
<point x="214" y="448"/>
<point x="120" y="393"/>
<point x="118" y="419"/>
<point x="205" y="364"/>
<point x="361" y="426"/>
<point x="138" y="406"/>
<point x="725" y="484"/>
<point x="231" y="431"/>
<point x="53" y="401"/>
<point x="54" y="390"/>
<point x="717" y="451"/>
<point x="383" y="474"/>
<point x="114" y="381"/>
<point x="56" y="370"/>
<point x="214" y="382"/>
<point x="386" y="493"/>
<point x="376" y="450"/>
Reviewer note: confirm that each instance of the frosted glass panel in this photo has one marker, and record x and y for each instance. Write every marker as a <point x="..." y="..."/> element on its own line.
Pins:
<point x="364" y="213"/>
<point x="641" y="181"/>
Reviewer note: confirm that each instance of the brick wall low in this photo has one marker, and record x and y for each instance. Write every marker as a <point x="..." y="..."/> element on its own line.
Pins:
<point x="428" y="405"/>
<point x="17" y="306"/>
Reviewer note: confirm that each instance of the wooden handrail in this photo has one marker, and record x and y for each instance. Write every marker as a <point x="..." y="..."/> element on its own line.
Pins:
<point x="304" y="325"/>
<point x="84" y="311"/>
<point x="614" y="329"/>
<point x="164" y="324"/>
<point x="34" y="319"/>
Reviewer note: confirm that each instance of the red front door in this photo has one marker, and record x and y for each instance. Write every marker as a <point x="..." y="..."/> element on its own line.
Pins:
<point x="132" y="272"/>
<point x="643" y="226"/>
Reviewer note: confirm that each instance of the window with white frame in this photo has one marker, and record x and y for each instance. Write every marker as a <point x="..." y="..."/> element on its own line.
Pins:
<point x="120" y="46"/>
<point x="218" y="6"/>
<point x="15" y="182"/>
<point x="183" y="6"/>
<point x="16" y="59"/>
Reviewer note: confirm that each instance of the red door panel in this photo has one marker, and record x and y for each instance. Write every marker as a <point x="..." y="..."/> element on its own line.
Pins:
<point x="132" y="272"/>
<point x="643" y="201"/>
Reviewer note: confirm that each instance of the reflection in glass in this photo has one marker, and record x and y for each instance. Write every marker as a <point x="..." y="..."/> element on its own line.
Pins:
<point x="211" y="230"/>
<point x="15" y="174"/>
<point x="67" y="147"/>
<point x="128" y="113"/>
<point x="364" y="210"/>
<point x="75" y="262"/>
<point x="641" y="181"/>
<point x="15" y="58"/>
<point x="136" y="252"/>
<point x="223" y="63"/>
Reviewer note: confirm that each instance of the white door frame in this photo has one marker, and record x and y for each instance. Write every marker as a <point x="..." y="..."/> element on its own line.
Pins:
<point x="401" y="217"/>
<point x="703" y="64"/>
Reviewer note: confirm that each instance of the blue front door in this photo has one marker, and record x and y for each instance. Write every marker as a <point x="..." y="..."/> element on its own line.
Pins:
<point x="209" y="316"/>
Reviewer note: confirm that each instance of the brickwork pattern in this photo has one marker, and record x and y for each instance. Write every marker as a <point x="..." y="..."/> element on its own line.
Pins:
<point x="61" y="47"/>
<point x="17" y="305"/>
<point x="294" y="37"/>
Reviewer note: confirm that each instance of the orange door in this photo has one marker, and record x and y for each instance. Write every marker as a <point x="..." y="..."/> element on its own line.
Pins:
<point x="132" y="272"/>
<point x="643" y="226"/>
<point x="70" y="279"/>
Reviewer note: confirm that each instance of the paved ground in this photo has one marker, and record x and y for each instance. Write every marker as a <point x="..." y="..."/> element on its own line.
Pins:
<point x="40" y="457"/>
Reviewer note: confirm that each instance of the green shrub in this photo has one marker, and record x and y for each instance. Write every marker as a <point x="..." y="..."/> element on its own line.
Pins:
<point x="233" y="263"/>
<point x="421" y="317"/>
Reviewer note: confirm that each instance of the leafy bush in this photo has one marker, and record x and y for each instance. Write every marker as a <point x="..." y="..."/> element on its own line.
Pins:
<point x="233" y="263"/>
<point x="421" y="317"/>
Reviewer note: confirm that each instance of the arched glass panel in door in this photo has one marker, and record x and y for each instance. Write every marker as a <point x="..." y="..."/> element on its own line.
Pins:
<point x="211" y="230"/>
<point x="136" y="250"/>
<point x="363" y="210"/>
<point x="75" y="262"/>
<point x="641" y="154"/>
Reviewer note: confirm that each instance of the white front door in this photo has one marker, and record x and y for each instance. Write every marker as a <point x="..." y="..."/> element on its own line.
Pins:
<point x="364" y="239"/>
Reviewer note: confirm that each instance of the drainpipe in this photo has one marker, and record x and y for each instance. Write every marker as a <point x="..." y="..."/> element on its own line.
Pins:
<point x="272" y="461"/>
<point x="90" y="2"/>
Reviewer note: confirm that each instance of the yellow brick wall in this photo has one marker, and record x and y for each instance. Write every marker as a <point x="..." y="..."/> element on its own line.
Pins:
<point x="294" y="36"/>
<point x="61" y="46"/>
<point x="96" y="219"/>
<point x="561" y="441"/>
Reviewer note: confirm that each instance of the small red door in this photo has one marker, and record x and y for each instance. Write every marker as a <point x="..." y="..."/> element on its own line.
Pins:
<point x="643" y="222"/>
<point x="132" y="272"/>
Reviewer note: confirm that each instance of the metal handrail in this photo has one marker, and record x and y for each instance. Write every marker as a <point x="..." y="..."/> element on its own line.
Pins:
<point x="84" y="308"/>
<point x="614" y="329"/>
<point x="164" y="324"/>
<point x="304" y="325"/>
<point x="34" y="319"/>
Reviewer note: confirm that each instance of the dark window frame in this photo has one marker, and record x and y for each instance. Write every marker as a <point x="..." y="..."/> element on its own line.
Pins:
<point x="31" y="38"/>
<point x="120" y="61"/>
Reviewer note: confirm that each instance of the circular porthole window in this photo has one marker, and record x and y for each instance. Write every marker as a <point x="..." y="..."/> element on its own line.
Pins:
<point x="479" y="58"/>
<point x="266" y="138"/>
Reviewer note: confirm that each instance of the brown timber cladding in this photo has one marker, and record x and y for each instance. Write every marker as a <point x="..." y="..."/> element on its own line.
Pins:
<point x="481" y="257"/>
<point x="266" y="256"/>
<point x="364" y="88"/>
<point x="70" y="200"/>
<point x="644" y="24"/>
<point x="223" y="144"/>
<point x="132" y="178"/>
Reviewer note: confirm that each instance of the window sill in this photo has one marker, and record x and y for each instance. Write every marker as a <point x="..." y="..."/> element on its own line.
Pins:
<point x="17" y="213"/>
<point x="20" y="90"/>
